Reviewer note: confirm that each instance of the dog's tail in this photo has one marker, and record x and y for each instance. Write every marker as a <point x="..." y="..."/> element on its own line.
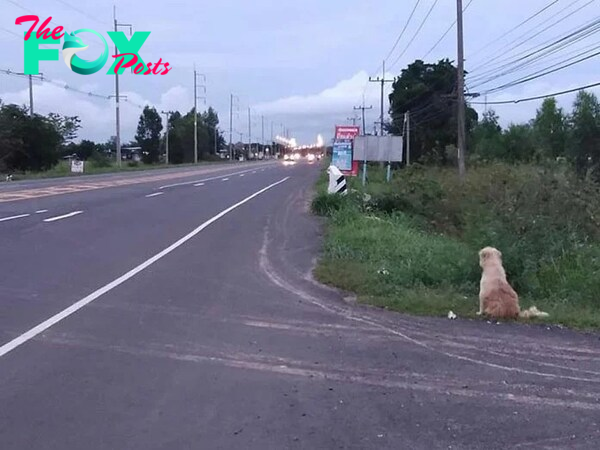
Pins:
<point x="532" y="313"/>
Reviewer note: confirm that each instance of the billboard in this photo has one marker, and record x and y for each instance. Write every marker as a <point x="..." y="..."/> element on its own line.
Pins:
<point x="344" y="132"/>
<point x="378" y="148"/>
<point x="342" y="155"/>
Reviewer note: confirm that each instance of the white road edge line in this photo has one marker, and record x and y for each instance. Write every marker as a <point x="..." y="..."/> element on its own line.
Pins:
<point x="20" y="216"/>
<point x="41" y="211"/>
<point x="185" y="183"/>
<point x="199" y="184"/>
<point x="225" y="179"/>
<point x="28" y="335"/>
<point x="66" y="216"/>
<point x="241" y="175"/>
<point x="155" y="194"/>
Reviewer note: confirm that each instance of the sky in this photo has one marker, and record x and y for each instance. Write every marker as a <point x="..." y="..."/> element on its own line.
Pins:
<point x="302" y="65"/>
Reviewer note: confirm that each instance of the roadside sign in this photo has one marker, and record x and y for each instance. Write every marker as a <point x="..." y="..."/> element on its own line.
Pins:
<point x="76" y="166"/>
<point x="344" y="132"/>
<point x="342" y="155"/>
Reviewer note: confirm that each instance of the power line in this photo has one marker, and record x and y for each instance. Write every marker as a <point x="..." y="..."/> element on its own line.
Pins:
<point x="416" y="33"/>
<point x="82" y="12"/>
<point x="402" y="32"/>
<point x="445" y="33"/>
<point x="516" y="27"/>
<point x="538" y="97"/>
<point x="563" y="59"/>
<point x="502" y="52"/>
<point x="539" y="74"/>
<point x="563" y="42"/>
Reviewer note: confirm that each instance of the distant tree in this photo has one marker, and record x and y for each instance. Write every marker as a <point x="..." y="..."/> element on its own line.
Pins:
<point x="66" y="126"/>
<point x="148" y="134"/>
<point x="487" y="137"/>
<point x="86" y="149"/>
<point x="550" y="129"/>
<point x="428" y="91"/>
<point x="584" y="139"/>
<point x="518" y="143"/>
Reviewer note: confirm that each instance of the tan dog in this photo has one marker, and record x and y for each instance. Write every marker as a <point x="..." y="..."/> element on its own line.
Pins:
<point x="496" y="297"/>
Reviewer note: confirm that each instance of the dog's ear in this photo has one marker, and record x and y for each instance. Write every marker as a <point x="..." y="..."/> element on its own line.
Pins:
<point x="484" y="253"/>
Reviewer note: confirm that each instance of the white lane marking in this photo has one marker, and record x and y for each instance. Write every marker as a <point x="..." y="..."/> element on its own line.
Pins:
<point x="20" y="216"/>
<point x="199" y="184"/>
<point x="40" y="328"/>
<point x="242" y="175"/>
<point x="41" y="211"/>
<point x="155" y="194"/>
<point x="66" y="216"/>
<point x="225" y="179"/>
<point x="186" y="183"/>
<point x="254" y="171"/>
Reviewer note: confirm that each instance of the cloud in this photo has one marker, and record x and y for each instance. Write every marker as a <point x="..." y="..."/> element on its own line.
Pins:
<point x="339" y="99"/>
<point x="97" y="115"/>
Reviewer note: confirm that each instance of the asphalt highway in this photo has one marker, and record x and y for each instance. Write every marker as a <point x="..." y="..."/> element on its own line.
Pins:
<point x="176" y="310"/>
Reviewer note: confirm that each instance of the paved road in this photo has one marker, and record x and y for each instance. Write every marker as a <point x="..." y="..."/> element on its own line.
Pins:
<point x="185" y="317"/>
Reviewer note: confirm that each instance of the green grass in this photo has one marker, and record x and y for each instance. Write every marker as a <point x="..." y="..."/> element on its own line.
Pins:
<point x="413" y="246"/>
<point x="63" y="169"/>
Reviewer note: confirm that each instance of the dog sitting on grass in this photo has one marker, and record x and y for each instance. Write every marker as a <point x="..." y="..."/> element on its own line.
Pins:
<point x="497" y="298"/>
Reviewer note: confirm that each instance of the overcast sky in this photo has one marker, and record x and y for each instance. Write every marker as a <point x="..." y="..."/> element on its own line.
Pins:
<point x="304" y="64"/>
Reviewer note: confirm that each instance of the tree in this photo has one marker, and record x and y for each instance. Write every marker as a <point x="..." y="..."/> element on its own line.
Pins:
<point x="487" y="137"/>
<point x="66" y="126"/>
<point x="148" y="134"/>
<point x="86" y="149"/>
<point x="518" y="143"/>
<point x="27" y="143"/>
<point x="550" y="129"/>
<point x="584" y="140"/>
<point x="428" y="91"/>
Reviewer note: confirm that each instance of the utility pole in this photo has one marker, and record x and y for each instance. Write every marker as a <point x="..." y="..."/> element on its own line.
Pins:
<point x="462" y="150"/>
<point x="166" y="113"/>
<point x="31" y="95"/>
<point x="117" y="96"/>
<point x="249" y="132"/>
<point x="381" y="80"/>
<point x="216" y="139"/>
<point x="363" y="108"/>
<point x="407" y="125"/>
<point x="231" y="105"/>
<point x="262" y="120"/>
<point x="272" y="140"/>
<point x="353" y="120"/>
<point x="196" y="75"/>
<point x="39" y="77"/>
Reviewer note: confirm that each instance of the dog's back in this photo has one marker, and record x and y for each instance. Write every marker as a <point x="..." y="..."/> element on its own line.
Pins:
<point x="500" y="301"/>
<point x="497" y="297"/>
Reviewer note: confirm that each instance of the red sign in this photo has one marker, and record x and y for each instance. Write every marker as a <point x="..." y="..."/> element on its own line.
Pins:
<point x="346" y="132"/>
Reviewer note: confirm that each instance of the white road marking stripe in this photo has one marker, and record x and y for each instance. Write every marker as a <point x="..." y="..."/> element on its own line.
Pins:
<point x="40" y="328"/>
<point x="199" y="184"/>
<point x="225" y="179"/>
<point x="186" y="183"/>
<point x="254" y="171"/>
<point x="242" y="175"/>
<point x="155" y="194"/>
<point x="20" y="216"/>
<point x="41" y="211"/>
<point x="66" y="216"/>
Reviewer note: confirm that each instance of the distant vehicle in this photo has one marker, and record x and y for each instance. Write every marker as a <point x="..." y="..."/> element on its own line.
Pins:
<point x="310" y="157"/>
<point x="287" y="157"/>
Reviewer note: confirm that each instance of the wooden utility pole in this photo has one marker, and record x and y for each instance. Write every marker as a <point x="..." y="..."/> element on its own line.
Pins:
<point x="462" y="144"/>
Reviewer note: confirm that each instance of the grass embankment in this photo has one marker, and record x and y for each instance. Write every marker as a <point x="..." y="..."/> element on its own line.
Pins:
<point x="413" y="245"/>
<point x="63" y="169"/>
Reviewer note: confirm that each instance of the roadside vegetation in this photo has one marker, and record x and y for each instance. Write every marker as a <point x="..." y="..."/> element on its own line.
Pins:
<point x="40" y="146"/>
<point x="411" y="245"/>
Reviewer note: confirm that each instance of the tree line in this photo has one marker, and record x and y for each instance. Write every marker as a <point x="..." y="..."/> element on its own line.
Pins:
<point x="38" y="142"/>
<point x="428" y="91"/>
